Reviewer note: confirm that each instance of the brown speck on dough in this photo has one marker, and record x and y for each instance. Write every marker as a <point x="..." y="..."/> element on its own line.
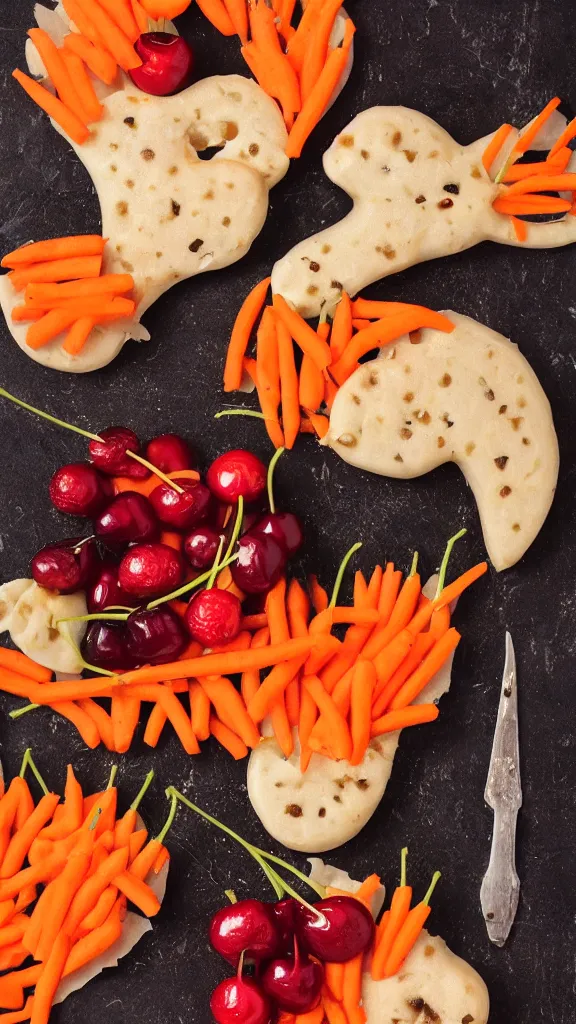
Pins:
<point x="445" y="381"/>
<point x="447" y="421"/>
<point x="118" y="248"/>
<point x="128" y="267"/>
<point x="409" y="396"/>
<point x="122" y="209"/>
<point x="326" y="248"/>
<point x="209" y="194"/>
<point x="482" y="381"/>
<point x="519" y="379"/>
<point x="113" y="168"/>
<point x="130" y="121"/>
<point x="386" y="169"/>
<point x="521" y="402"/>
<point x="312" y="289"/>
<point x="422" y="1007"/>
<point x="230" y="184"/>
<point x="226" y="222"/>
<point x="501" y="461"/>
<point x="516" y="421"/>
<point x="173" y="170"/>
<point x="363" y="784"/>
<point x="347" y="440"/>
<point x="113" y="146"/>
<point x="397" y="138"/>
<point x="253" y="149"/>
<point x="502" y="410"/>
<point x="279" y="785"/>
<point x="294" y="810"/>
<point x="322" y="812"/>
<point x="433" y="154"/>
<point x="336" y="285"/>
<point x="468" y="1019"/>
<point x="371" y="380"/>
<point x="445" y="204"/>
<point x="489" y="394"/>
<point x="347" y="141"/>
<point x="440" y="442"/>
<point x="230" y="131"/>
<point x="410" y="155"/>
<point x="405" y="434"/>
<point x="147" y="154"/>
<point x="505" y="491"/>
<point x="355" y="399"/>
<point x="490" y="353"/>
<point x="415" y="337"/>
<point x="476" y="172"/>
<point x="420" y="199"/>
<point x="389" y="252"/>
<point x="364" y="154"/>
<point x="453" y="189"/>
<point x="129" y="183"/>
<point x="337" y="799"/>
<point x="175" y="207"/>
<point x="516" y="527"/>
<point x="314" y="267"/>
<point x="398" y="458"/>
<point x="429" y="950"/>
<point x="469" y="448"/>
<point x="159" y="255"/>
<point x="526" y="441"/>
<point x="196" y="244"/>
<point x="423" y="417"/>
<point x="407" y="368"/>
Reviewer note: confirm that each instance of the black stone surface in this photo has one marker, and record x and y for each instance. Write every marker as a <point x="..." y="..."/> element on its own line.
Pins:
<point x="471" y="67"/>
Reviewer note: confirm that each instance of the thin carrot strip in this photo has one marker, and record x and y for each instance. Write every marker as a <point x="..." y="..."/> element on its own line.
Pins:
<point x="84" y="723"/>
<point x="299" y="41"/>
<point x="318" y="594"/>
<point x="415" y="683"/>
<point x="281" y="80"/>
<point x="389" y="928"/>
<point x="24" y="314"/>
<point x="541" y="183"/>
<point x="525" y="205"/>
<point x="78" y="335"/>
<point x="320" y="424"/>
<point x="58" y="111"/>
<point x="101" y="719"/>
<point x="316" y="52"/>
<point x="495" y="145"/>
<point x="311" y="385"/>
<point x="353" y="990"/>
<point x="239" y="17"/>
<point x="122" y="16"/>
<point x="217" y="14"/>
<point x="313" y="108"/>
<point x="58" y="73"/>
<point x="520" y="229"/>
<point x="273" y="687"/>
<point x="55" y="270"/>
<point x="422" y="645"/>
<point x="276" y="612"/>
<point x="363" y="683"/>
<point x="83" y="84"/>
<point x="250" y="682"/>
<point x="240" y="337"/>
<point x="268" y="371"/>
<point x="125" y="718"/>
<point x="340" y="738"/>
<point x="334" y="977"/>
<point x="111" y="36"/>
<point x="312" y="1017"/>
<point x="288" y="384"/>
<point x="323" y="622"/>
<point x="383" y="332"/>
<point x="138" y="892"/>
<point x="199" y="711"/>
<point x="83" y="23"/>
<point x="554" y="165"/>
<point x="360" y="587"/>
<point x="140" y="16"/>
<point x="333" y="1010"/>
<point x="101" y="937"/>
<point x="101" y="63"/>
<point x="230" y="708"/>
<point x="21" y="663"/>
<point x="50" y="979"/>
<point x="455" y="589"/>
<point x="107" y="284"/>
<point x="562" y="141"/>
<point x="303" y="335"/>
<point x="281" y="727"/>
<point x="393" y="721"/>
<point x="155" y="725"/>
<point x="228" y="739"/>
<point x="408" y="933"/>
<point x="23" y="838"/>
<point x="341" y="327"/>
<point x="527" y="137"/>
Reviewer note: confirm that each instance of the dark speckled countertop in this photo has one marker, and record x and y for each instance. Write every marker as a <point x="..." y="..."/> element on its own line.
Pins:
<point x="470" y="66"/>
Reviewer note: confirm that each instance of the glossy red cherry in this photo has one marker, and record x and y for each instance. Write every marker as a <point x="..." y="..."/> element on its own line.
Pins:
<point x="66" y="566"/>
<point x="294" y="984"/>
<point x="79" y="489"/>
<point x="167" y="64"/>
<point x="260" y="563"/>
<point x="128" y="519"/>
<point x="240" y="1001"/>
<point x="155" y="636"/>
<point x="169" y="453"/>
<point x="244" y="927"/>
<point x="201" y="547"/>
<point x="213" y="617"/>
<point x="109" y="454"/>
<point x="150" y="570"/>
<point x="105" y="646"/>
<point x="285" y="915"/>
<point x="344" y="929"/>
<point x="237" y="474"/>
<point x="105" y="590"/>
<point x="181" y="510"/>
<point x="284" y="527"/>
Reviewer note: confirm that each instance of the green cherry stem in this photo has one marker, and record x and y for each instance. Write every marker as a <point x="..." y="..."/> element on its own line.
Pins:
<point x="403" y="859"/>
<point x="231" y="895"/>
<point x="270" y="477"/>
<point x="414" y="565"/>
<point x="341" y="571"/>
<point x="142" y="793"/>
<point x="239" y="412"/>
<point x="28" y="762"/>
<point x="435" y="879"/>
<point x="155" y="471"/>
<point x="22" y="711"/>
<point x="86" y="666"/>
<point x="215" y="566"/>
<point x="96" y="616"/>
<point x="169" y="820"/>
<point x="446" y="559"/>
<point x="237" y="527"/>
<point x="113" y="774"/>
<point x="187" y="587"/>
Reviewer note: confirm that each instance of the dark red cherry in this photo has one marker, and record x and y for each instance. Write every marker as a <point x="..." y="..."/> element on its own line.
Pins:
<point x="105" y="646"/>
<point x="128" y="519"/>
<point x="150" y="570"/>
<point x="240" y="1001"/>
<point x="169" y="453"/>
<point x="66" y="566"/>
<point x="79" y="489"/>
<point x="181" y="509"/>
<point x="344" y="929"/>
<point x="247" y="926"/>
<point x="260" y="563"/>
<point x="285" y="915"/>
<point x="284" y="527"/>
<point x="201" y="546"/>
<point x="167" y="64"/>
<point x="294" y="984"/>
<point x="155" y="636"/>
<point x="105" y="590"/>
<point x="237" y="474"/>
<point x="213" y="617"/>
<point x="109" y="454"/>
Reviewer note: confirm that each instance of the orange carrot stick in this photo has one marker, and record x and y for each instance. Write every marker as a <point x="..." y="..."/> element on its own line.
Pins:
<point x="334" y="1012"/>
<point x="319" y="424"/>
<point x="83" y="84"/>
<point x="422" y="645"/>
<point x="273" y="687"/>
<point x="240" y="337"/>
<point x="228" y="739"/>
<point x="340" y="739"/>
<point x="58" y="111"/>
<point x="199" y="711"/>
<point x="554" y="165"/>
<point x="495" y="145"/>
<point x="250" y="682"/>
<point x="281" y="727"/>
<point x="49" y="980"/>
<point x="391" y="923"/>
<point x="239" y="17"/>
<point x="303" y="335"/>
<point x="392" y="721"/>
<point x="520" y="229"/>
<point x="21" y="663"/>
<point x="562" y="141"/>
<point x="101" y="63"/>
<point x="311" y="387"/>
<point x="301" y="38"/>
<point x="520" y="206"/>
<point x="122" y="16"/>
<point x="409" y="932"/>
<point x="455" y="589"/>
<point x="58" y="73"/>
<point x="334" y="976"/>
<point x="111" y="36"/>
<point x="341" y="327"/>
<point x="318" y="594"/>
<point x="217" y="14"/>
<point x="230" y="708"/>
<point x="57" y="270"/>
<point x="541" y="183"/>
<point x="319" y="98"/>
<point x="125" y="718"/>
<point x="138" y="893"/>
<point x="70" y="247"/>
<point x="423" y="674"/>
<point x="82" y="22"/>
<point x="23" y="839"/>
<point x="107" y="284"/>
<point x="383" y="332"/>
<point x="78" y="335"/>
<point x="353" y="990"/>
<point x="25" y="314"/>
<point x="101" y="719"/>
<point x="316" y="52"/>
<point x="526" y="139"/>
<point x="363" y="684"/>
<point x="281" y="79"/>
<point x="288" y="384"/>
<point x="140" y="16"/>
<point x="268" y="373"/>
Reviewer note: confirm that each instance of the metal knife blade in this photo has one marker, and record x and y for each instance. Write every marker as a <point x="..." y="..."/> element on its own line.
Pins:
<point x="500" y="889"/>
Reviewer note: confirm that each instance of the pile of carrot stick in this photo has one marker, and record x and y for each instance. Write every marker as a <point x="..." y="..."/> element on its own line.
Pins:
<point x="104" y="40"/>
<point x="67" y="871"/>
<point x="526" y="182"/>
<point x="400" y="927"/>
<point x="65" y="291"/>
<point x="298" y="400"/>
<point x="296" y="66"/>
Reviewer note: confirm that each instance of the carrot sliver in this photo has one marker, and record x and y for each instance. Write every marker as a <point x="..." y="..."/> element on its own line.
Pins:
<point x="495" y="145"/>
<point x="101" y="63"/>
<point x="363" y="683"/>
<point x="341" y="327"/>
<point x="318" y="594"/>
<point x="240" y="337"/>
<point x="340" y="738"/>
<point x="314" y="107"/>
<point x="422" y="645"/>
<point x="140" y="16"/>
<point x="217" y="14"/>
<point x="389" y="927"/>
<point x="58" y="73"/>
<point x="18" y="662"/>
<point x="273" y="687"/>
<point x="83" y="84"/>
<point x="268" y="376"/>
<point x="385" y="331"/>
<point x="122" y="15"/>
<point x="393" y="721"/>
<point x="281" y="727"/>
<point x="25" y="314"/>
<point x="562" y="141"/>
<point x="112" y="37"/>
<point x="288" y="384"/>
<point x="527" y="137"/>
<point x="230" y="708"/>
<point x="54" y="270"/>
<point x="69" y="247"/>
<point x="335" y="1014"/>
<point x="238" y="15"/>
<point x="303" y="335"/>
<point x="228" y="739"/>
<point x="316" y="53"/>
<point x="199" y="711"/>
<point x="433" y="662"/>
<point x="334" y="975"/>
<point x="353" y="990"/>
<point x="107" y="285"/>
<point x="58" y="111"/>
<point x="78" y="335"/>
<point x="405" y="938"/>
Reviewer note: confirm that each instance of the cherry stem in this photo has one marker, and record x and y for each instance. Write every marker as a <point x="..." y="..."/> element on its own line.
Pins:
<point x="270" y="477"/>
<point x="215" y="566"/>
<point x="95" y="617"/>
<point x="299" y="874"/>
<point x="414" y="565"/>
<point x="146" y="785"/>
<point x="341" y="571"/>
<point x="22" y="711"/>
<point x="119" y="608"/>
<point x="168" y="823"/>
<point x="187" y="587"/>
<point x="237" y="527"/>
<point x="435" y="879"/>
<point x="239" y="412"/>
<point x="155" y="471"/>
<point x="240" y="968"/>
<point x="28" y="762"/>
<point x="446" y="559"/>
<point x="403" y="859"/>
<point x="231" y="895"/>
<point x="113" y="774"/>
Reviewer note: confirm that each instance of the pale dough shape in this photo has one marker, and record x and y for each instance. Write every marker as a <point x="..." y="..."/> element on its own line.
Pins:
<point x="468" y="397"/>
<point x="30" y="614"/>
<point x="394" y="163"/>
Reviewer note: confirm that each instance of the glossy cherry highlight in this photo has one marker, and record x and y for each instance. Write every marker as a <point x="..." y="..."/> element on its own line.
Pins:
<point x="150" y="570"/>
<point x="79" y="489"/>
<point x="128" y="519"/>
<point x="167" y="64"/>
<point x="240" y="1001"/>
<point x="66" y="566"/>
<point x="247" y="927"/>
<point x="155" y="636"/>
<point x="181" y="509"/>
<point x="237" y="474"/>
<point x="169" y="453"/>
<point x="336" y="930"/>
<point x="260" y="563"/>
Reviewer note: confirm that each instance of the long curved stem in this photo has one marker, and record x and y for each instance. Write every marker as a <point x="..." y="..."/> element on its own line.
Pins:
<point x="270" y="477"/>
<point x="343" y="566"/>
<point x="187" y="587"/>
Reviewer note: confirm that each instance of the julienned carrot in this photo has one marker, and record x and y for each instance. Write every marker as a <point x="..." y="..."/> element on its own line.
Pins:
<point x="553" y="165"/>
<point x="58" y="73"/>
<point x="93" y="888"/>
<point x="199" y="711"/>
<point x="174" y="712"/>
<point x="495" y="145"/>
<point x="230" y="708"/>
<point x="58" y="111"/>
<point x="101" y="63"/>
<point x="240" y="337"/>
<point x="422" y="645"/>
<point x="78" y="335"/>
<point x="318" y="594"/>
<point x="276" y="611"/>
<point x="299" y="41"/>
<point x="106" y="284"/>
<point x="268" y="371"/>
<point x="83" y="84"/>
<point x="24" y="314"/>
<point x="60" y="894"/>
<point x="520" y="229"/>
<point x="319" y="98"/>
<point x="101" y="719"/>
<point x="63" y="269"/>
<point x="340" y="739"/>
<point x="155" y="724"/>
<point x="405" y="605"/>
<point x="111" y="36"/>
<point x="320" y="423"/>
<point x="125" y="716"/>
<point x="334" y="1012"/>
<point x="18" y="662"/>
<point x="281" y="78"/>
<point x="121" y="13"/>
<point x="409" y="932"/>
<point x="542" y="183"/>
<point x="317" y="50"/>
<point x="216" y="13"/>
<point x="101" y="309"/>
<point x="396" y="916"/>
<point x="22" y="840"/>
<point x="360" y="587"/>
<point x="228" y="739"/>
<point x="311" y="385"/>
<point x="49" y="980"/>
<point x="562" y="141"/>
<point x="363" y="684"/>
<point x="83" y="23"/>
<point x="383" y="332"/>
<point x="250" y="682"/>
<point x="281" y="727"/>
<point x="415" y="683"/>
<point x="99" y="939"/>
<point x="455" y="589"/>
<point x="273" y="688"/>
<point x="527" y="137"/>
<point x="140" y="16"/>
<point x="289" y="395"/>
<point x="334" y="976"/>
<point x="323" y="622"/>
<point x="393" y="721"/>
<point x="303" y="335"/>
<point x="524" y="205"/>
<point x="138" y="893"/>
<point x="391" y="581"/>
<point x="312" y="1017"/>
<point x="341" y="327"/>
<point x="238" y="16"/>
<point x="353" y="990"/>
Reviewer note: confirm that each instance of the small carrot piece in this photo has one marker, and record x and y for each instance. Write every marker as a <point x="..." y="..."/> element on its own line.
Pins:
<point x="273" y="688"/>
<point x="230" y="708"/>
<point x="313" y="108"/>
<point x="360" y="587"/>
<point x="281" y="727"/>
<point x="495" y="145"/>
<point x="49" y="980"/>
<point x="106" y="284"/>
<point x="22" y="839"/>
<point x="526" y="139"/>
<point x="323" y="622"/>
<point x="101" y="63"/>
<point x="392" y="721"/>
<point x="316" y="52"/>
<point x="199" y="711"/>
<point x="320" y="423"/>
<point x="268" y="372"/>
<point x="140" y="16"/>
<point x="334" y="1012"/>
<point x="383" y="332"/>
<point x="84" y="723"/>
<point x="341" y="327"/>
<point x="299" y="41"/>
<point x="340" y="738"/>
<point x="391" y="923"/>
<point x="318" y="594"/>
<point x="276" y="612"/>
<point x="238" y="15"/>
<point x="25" y="314"/>
<point x="312" y="1017"/>
<point x="18" y="662"/>
<point x="415" y="683"/>
<point x="61" y="893"/>
<point x="353" y="990"/>
<point x="240" y="337"/>
<point x="111" y="36"/>
<point x="422" y="645"/>
<point x="101" y="719"/>
<point x="121" y="13"/>
<point x="228" y="739"/>
<point x="409" y="932"/>
<point x="541" y="183"/>
<point x="288" y="384"/>
<point x="562" y="141"/>
<point x="93" y="888"/>
<point x="218" y="15"/>
<point x="58" y="73"/>
<point x="137" y="840"/>
<point x="363" y="683"/>
<point x="58" y="111"/>
<point x="303" y="335"/>
<point x="282" y="79"/>
<point x="520" y="206"/>
<point x="455" y="589"/>
<point x="520" y="229"/>
<point x="83" y="23"/>
<point x="311" y="386"/>
<point x="250" y="682"/>
<point x="100" y="938"/>
<point x="125" y="718"/>
<point x="78" y="335"/>
<point x="334" y="976"/>
<point x="554" y="165"/>
<point x="138" y="893"/>
<point x="63" y="269"/>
